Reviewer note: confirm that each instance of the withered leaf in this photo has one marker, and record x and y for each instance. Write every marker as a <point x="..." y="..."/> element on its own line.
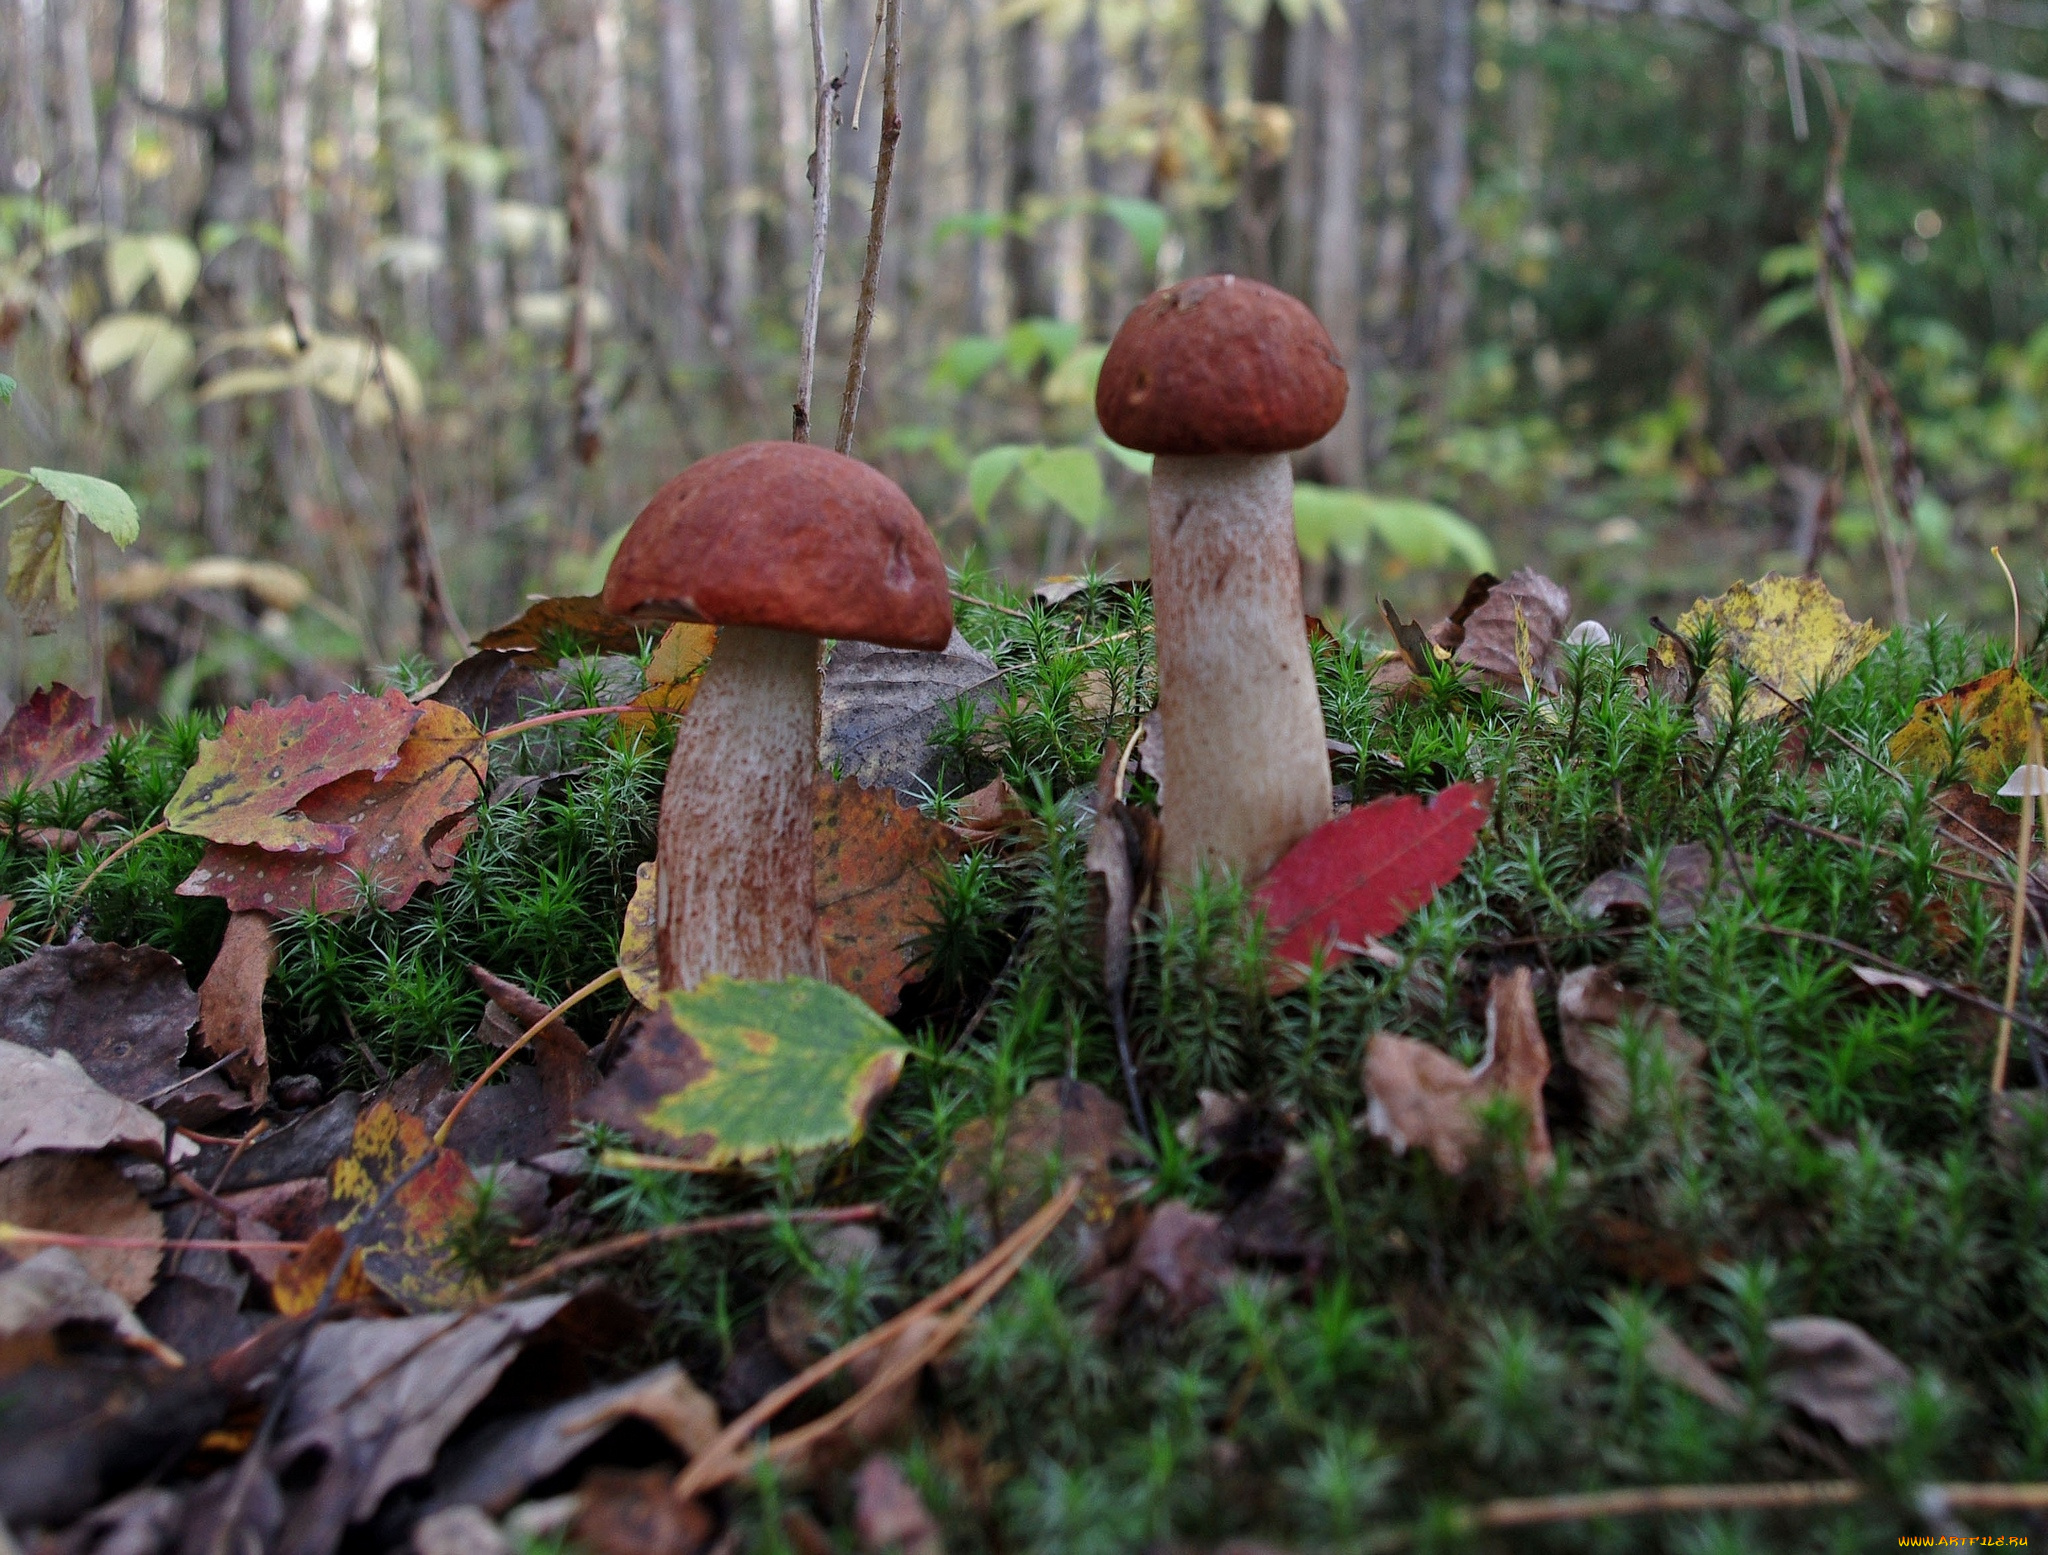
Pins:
<point x="49" y="1102"/>
<point x="1839" y="1375"/>
<point x="245" y="784"/>
<point x="42" y="1294"/>
<point x="875" y="863"/>
<point x="85" y="1195"/>
<point x="1419" y="1095"/>
<point x="1672" y="1359"/>
<point x="1592" y="1007"/>
<point x="405" y="1242"/>
<point x="231" y="1001"/>
<point x="404" y="830"/>
<point x="1516" y="628"/>
<point x="49" y="737"/>
<point x="888" y="1513"/>
<point x="1686" y="881"/>
<point x="1002" y="1169"/>
<point x="882" y="706"/>
<point x="1789" y="632"/>
<point x="1996" y="709"/>
<point x="124" y="1012"/>
<point x="1184" y="1252"/>
<point x="549" y="625"/>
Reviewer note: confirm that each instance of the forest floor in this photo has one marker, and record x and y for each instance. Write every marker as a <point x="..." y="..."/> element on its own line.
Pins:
<point x="1645" y="1144"/>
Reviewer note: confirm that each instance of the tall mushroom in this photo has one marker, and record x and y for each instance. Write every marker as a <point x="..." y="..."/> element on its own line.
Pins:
<point x="778" y="545"/>
<point x="1221" y="378"/>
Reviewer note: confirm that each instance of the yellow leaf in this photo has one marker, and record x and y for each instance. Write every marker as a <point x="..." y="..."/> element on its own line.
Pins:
<point x="638" y="959"/>
<point x="1790" y="633"/>
<point x="42" y="562"/>
<point x="1993" y="711"/>
<point x="674" y="671"/>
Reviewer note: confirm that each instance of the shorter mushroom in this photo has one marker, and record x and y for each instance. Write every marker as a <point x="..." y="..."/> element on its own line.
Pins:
<point x="778" y="545"/>
<point x="1221" y="378"/>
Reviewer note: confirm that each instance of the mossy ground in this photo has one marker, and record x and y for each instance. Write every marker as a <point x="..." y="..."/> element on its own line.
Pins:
<point x="1458" y="1343"/>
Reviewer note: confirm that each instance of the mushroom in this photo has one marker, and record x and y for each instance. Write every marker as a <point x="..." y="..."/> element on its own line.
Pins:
<point x="778" y="545"/>
<point x="1221" y="378"/>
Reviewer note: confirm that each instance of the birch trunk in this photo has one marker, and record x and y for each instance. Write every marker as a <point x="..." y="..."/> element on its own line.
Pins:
<point x="683" y="129"/>
<point x="607" y="129"/>
<point x="357" y="227"/>
<point x="794" y="109"/>
<point x="422" y="192"/>
<point x="294" y="133"/>
<point x="29" y="96"/>
<point x="739" y="221"/>
<point x="475" y="230"/>
<point x="1446" y="298"/>
<point x="81" y="129"/>
<point x="1393" y="239"/>
<point x="1337" y="267"/>
<point x="983" y="282"/>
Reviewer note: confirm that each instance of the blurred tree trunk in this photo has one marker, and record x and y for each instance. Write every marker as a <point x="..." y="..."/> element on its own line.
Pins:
<point x="422" y="191"/>
<point x="1096" y="240"/>
<point x="357" y="227"/>
<point x="1338" y="260"/>
<point x="732" y="70"/>
<point x="28" y="99"/>
<point x="229" y="199"/>
<point x="1447" y="293"/>
<point x="789" y="30"/>
<point x="1033" y="126"/>
<point x="111" y="180"/>
<point x="295" y="135"/>
<point x="982" y="197"/>
<point x="475" y="238"/>
<point x="1215" y="22"/>
<point x="906" y="256"/>
<point x="1261" y="189"/>
<point x="606" y="131"/>
<point x="1390" y="25"/>
<point x="81" y="126"/>
<point x="152" y="58"/>
<point x="683" y="129"/>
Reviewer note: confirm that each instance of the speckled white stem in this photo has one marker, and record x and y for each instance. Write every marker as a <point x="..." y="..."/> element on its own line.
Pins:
<point x="735" y="891"/>
<point x="1247" y="772"/>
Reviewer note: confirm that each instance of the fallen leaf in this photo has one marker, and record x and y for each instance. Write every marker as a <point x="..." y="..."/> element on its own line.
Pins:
<point x="64" y="839"/>
<point x="1417" y="652"/>
<point x="231" y="1002"/>
<point x="402" y="830"/>
<point x="992" y="810"/>
<point x="1592" y="1007"/>
<point x="380" y="1396"/>
<point x="458" y="1530"/>
<point x="124" y="1012"/>
<point x="675" y="669"/>
<point x="1362" y="874"/>
<point x="85" y="1195"/>
<point x="244" y="785"/>
<point x="888" y="1514"/>
<point x="1877" y="977"/>
<point x="639" y="961"/>
<point x="1790" y="632"/>
<point x="1839" y="1375"/>
<point x="732" y="1071"/>
<point x="574" y="622"/>
<point x="875" y="868"/>
<point x="1686" y="880"/>
<point x="1994" y="709"/>
<point x="1184" y="1252"/>
<point x="494" y="1472"/>
<point x="49" y="1102"/>
<point x="404" y="1244"/>
<point x="1003" y="1168"/>
<point x="1644" y="1254"/>
<point x="49" y="737"/>
<point x="1449" y="633"/>
<point x="1970" y="823"/>
<point x="1515" y="629"/>
<point x="621" y="1512"/>
<point x="496" y="686"/>
<point x="299" y="1283"/>
<point x="1419" y="1095"/>
<point x="882" y="706"/>
<point x="43" y="1294"/>
<point x="1672" y="1359"/>
<point x="525" y="1112"/>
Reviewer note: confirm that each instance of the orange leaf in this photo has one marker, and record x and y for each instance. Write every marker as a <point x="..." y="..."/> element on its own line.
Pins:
<point x="674" y="672"/>
<point x="404" y="830"/>
<point x="231" y="1001"/>
<point x="574" y="622"/>
<point x="875" y="859"/>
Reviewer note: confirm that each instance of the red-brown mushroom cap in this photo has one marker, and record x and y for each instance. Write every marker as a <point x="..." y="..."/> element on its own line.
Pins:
<point x="1220" y="365"/>
<point x="790" y="537"/>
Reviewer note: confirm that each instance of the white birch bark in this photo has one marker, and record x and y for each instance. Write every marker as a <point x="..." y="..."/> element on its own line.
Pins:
<point x="794" y="110"/>
<point x="608" y="123"/>
<point x="683" y="130"/>
<point x="477" y="193"/>
<point x="81" y="128"/>
<point x="295" y="132"/>
<point x="739" y="225"/>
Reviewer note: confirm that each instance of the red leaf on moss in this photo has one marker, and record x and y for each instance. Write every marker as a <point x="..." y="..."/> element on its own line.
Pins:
<point x="244" y="785"/>
<point x="1364" y="873"/>
<point x="50" y="736"/>
<point x="404" y="830"/>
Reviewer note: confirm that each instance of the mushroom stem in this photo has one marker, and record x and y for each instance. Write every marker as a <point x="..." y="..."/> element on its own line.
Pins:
<point x="1247" y="771"/>
<point x="735" y="893"/>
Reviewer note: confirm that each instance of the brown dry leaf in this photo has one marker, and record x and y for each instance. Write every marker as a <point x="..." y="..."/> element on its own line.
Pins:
<point x="621" y="1512"/>
<point x="85" y="1194"/>
<point x="43" y="1294"/>
<point x="875" y="860"/>
<point x="1686" y="882"/>
<point x="1671" y="1358"/>
<point x="404" y="831"/>
<point x="497" y="1471"/>
<point x="881" y="707"/>
<point x="405" y="1246"/>
<point x="49" y="1102"/>
<point x="495" y="686"/>
<point x="49" y="737"/>
<point x="525" y="1112"/>
<point x="999" y="1173"/>
<point x="1185" y="1253"/>
<point x="888" y="1513"/>
<point x="993" y="810"/>
<point x="124" y="1012"/>
<point x="1420" y="1095"/>
<point x="1647" y="1254"/>
<point x="549" y="625"/>
<point x="296" y="1287"/>
<point x="1592" y="1006"/>
<point x="1449" y="633"/>
<point x="1839" y="1375"/>
<point x="231" y="1001"/>
<point x="888" y="1414"/>
<point x="1972" y="824"/>
<point x="674" y="672"/>
<point x="1516" y="629"/>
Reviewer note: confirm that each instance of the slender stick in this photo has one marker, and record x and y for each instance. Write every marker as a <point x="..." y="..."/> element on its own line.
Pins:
<point x="712" y="1458"/>
<point x="878" y="218"/>
<point x="827" y="116"/>
<point x="604" y="980"/>
<point x="11" y="1235"/>
<point x="633" y="1242"/>
<point x="2019" y="905"/>
<point x="860" y="87"/>
<point x="526" y="724"/>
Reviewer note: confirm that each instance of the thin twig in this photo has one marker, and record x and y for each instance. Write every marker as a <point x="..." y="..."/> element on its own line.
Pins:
<point x="1879" y="848"/>
<point x="860" y="88"/>
<point x="101" y="868"/>
<point x="633" y="1242"/>
<point x="603" y="980"/>
<point x="526" y="724"/>
<point x="11" y="1234"/>
<point x="698" y="1474"/>
<point x="878" y="218"/>
<point x="989" y="604"/>
<point x="825" y="119"/>
<point x="1859" y="953"/>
